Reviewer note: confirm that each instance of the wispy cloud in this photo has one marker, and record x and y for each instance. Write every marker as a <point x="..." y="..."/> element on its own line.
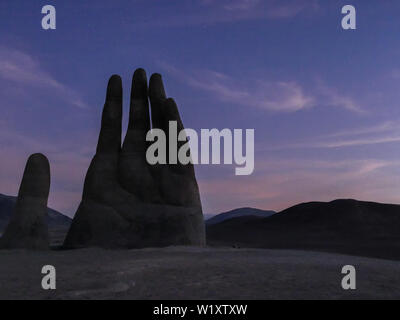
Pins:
<point x="272" y="95"/>
<point x="333" y="98"/>
<point x="356" y="142"/>
<point x="276" y="184"/>
<point x="22" y="69"/>
<point x="232" y="5"/>
<point x="377" y="128"/>
<point x="211" y="12"/>
<point x="276" y="9"/>
<point x="381" y="133"/>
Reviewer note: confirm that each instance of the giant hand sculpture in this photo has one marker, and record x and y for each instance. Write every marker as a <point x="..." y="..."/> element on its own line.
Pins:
<point x="27" y="228"/>
<point x="126" y="201"/>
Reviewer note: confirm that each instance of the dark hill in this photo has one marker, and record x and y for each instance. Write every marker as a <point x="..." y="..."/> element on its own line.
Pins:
<point x="343" y="226"/>
<point x="241" y="212"/>
<point x="58" y="223"/>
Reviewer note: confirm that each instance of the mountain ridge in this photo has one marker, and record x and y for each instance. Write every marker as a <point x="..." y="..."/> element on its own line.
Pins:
<point x="239" y="212"/>
<point x="343" y="225"/>
<point x="7" y="203"/>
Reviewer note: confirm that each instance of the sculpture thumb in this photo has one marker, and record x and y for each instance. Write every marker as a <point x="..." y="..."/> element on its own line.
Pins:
<point x="28" y="228"/>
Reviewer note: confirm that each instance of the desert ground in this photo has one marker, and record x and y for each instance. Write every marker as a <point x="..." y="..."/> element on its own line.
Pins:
<point x="195" y="273"/>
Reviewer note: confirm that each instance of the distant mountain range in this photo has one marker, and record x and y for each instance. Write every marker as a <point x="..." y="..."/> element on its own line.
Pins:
<point x="55" y="219"/>
<point x="343" y="226"/>
<point x="241" y="212"/>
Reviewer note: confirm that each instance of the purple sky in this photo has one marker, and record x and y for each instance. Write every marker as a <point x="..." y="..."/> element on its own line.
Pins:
<point x="323" y="101"/>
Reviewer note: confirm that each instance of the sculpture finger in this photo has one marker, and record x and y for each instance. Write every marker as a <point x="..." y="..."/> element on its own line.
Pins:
<point x="171" y="113"/>
<point x="111" y="124"/>
<point x="139" y="115"/>
<point x="157" y="98"/>
<point x="36" y="179"/>
<point x="27" y="228"/>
